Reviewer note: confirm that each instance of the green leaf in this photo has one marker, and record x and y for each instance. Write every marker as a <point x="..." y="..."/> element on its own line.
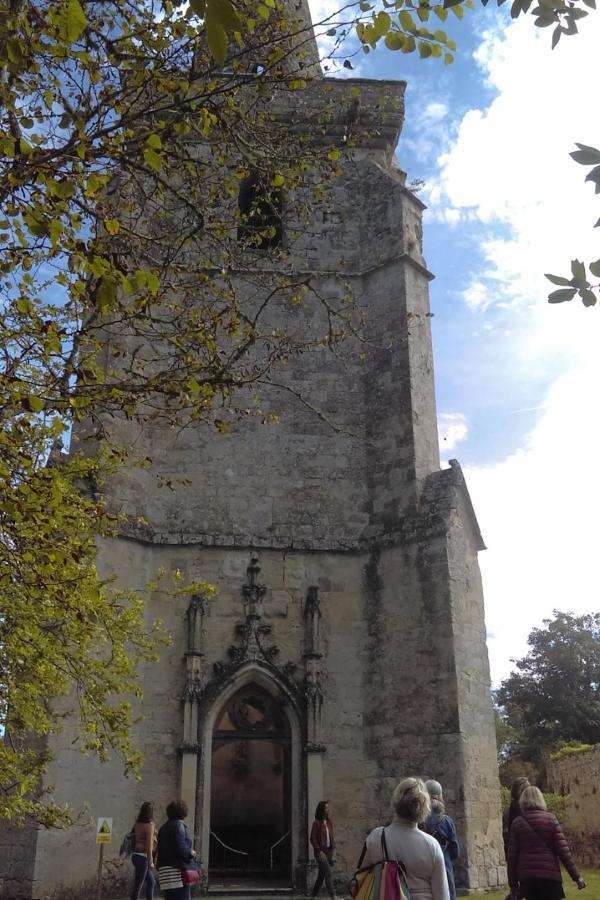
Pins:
<point x="32" y="403"/>
<point x="153" y="160"/>
<point x="561" y="296"/>
<point x="223" y="13"/>
<point x="595" y="268"/>
<point x="154" y="141"/>
<point x="586" y="156"/>
<point x="198" y="6"/>
<point x="153" y="282"/>
<point x="406" y="21"/>
<point x="578" y="270"/>
<point x="424" y="50"/>
<point x="217" y="40"/>
<point x="13" y="51"/>
<point x="441" y="13"/>
<point x="71" y="21"/>
<point x="112" y="226"/>
<point x="36" y="404"/>
<point x="588" y="297"/>
<point x="106" y="293"/>
<point x="394" y="40"/>
<point x="557" y="279"/>
<point x="382" y="24"/>
<point x="55" y="229"/>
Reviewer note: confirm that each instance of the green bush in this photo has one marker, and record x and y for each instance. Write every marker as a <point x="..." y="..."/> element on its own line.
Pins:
<point x="556" y="804"/>
<point x="570" y="750"/>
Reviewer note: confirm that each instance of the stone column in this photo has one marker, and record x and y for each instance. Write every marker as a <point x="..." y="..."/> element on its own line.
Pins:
<point x="190" y="748"/>
<point x="313" y="694"/>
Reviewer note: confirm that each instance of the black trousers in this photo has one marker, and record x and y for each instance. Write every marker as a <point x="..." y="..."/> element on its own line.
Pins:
<point x="541" y="889"/>
<point x="324" y="876"/>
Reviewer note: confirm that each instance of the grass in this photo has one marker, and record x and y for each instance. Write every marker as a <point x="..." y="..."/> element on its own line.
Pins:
<point x="592" y="891"/>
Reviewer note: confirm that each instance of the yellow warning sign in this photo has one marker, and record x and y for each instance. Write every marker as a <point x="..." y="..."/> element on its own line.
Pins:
<point x="104" y="829"/>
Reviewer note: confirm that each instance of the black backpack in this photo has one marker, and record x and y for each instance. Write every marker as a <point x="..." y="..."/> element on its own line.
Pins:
<point x="436" y="832"/>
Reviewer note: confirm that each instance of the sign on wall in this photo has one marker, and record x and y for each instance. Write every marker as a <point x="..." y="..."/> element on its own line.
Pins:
<point x="104" y="830"/>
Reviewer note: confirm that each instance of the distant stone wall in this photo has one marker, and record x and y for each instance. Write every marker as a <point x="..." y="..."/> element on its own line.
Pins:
<point x="578" y="777"/>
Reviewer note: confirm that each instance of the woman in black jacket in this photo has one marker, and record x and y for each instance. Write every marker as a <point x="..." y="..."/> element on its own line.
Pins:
<point x="174" y="852"/>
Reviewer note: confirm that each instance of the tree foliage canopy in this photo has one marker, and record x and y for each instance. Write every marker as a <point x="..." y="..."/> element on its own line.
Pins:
<point x="128" y="129"/>
<point x="554" y="694"/>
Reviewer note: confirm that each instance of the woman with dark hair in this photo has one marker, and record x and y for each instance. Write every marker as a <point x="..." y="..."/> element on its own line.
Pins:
<point x="175" y="852"/>
<point x="322" y="842"/>
<point x="144" y="850"/>
<point x="403" y="841"/>
<point x="536" y="848"/>
<point x="514" y="810"/>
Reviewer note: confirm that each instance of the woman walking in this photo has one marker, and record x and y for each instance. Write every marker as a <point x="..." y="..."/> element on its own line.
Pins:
<point x="536" y="848"/>
<point x="322" y="842"/>
<point x="442" y="828"/>
<point x="144" y="851"/>
<point x="419" y="852"/>
<point x="514" y="810"/>
<point x="175" y="852"/>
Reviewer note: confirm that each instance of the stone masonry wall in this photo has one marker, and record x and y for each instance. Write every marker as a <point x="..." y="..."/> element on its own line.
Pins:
<point x="577" y="777"/>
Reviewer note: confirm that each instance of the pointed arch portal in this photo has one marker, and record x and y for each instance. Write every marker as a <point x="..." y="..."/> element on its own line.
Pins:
<point x="251" y="820"/>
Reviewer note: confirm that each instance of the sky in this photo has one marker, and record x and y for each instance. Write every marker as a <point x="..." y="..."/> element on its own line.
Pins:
<point x="516" y="378"/>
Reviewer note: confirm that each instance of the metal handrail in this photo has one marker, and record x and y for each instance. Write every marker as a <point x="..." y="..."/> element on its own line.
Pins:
<point x="252" y="852"/>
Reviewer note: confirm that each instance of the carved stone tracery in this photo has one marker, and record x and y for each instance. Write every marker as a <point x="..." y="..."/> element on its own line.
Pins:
<point x="314" y="672"/>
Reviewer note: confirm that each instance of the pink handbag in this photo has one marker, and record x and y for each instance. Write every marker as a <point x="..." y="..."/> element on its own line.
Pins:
<point x="190" y="876"/>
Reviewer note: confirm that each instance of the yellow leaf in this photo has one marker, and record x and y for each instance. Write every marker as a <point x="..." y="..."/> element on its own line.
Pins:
<point x="153" y="159"/>
<point x="113" y="226"/>
<point x="71" y="21"/>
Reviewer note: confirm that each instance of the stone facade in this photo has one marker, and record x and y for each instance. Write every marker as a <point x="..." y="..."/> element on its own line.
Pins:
<point x="577" y="777"/>
<point x="345" y="563"/>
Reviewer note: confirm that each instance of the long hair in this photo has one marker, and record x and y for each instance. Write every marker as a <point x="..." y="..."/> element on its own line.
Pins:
<point x="320" y="810"/>
<point x="434" y="789"/>
<point x="146" y="813"/>
<point x="518" y="786"/>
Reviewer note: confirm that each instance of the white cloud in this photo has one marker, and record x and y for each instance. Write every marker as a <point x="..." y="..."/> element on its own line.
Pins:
<point x="434" y="112"/>
<point x="524" y="203"/>
<point x="477" y="295"/>
<point x="509" y="167"/>
<point x="452" y="430"/>
<point x="538" y="512"/>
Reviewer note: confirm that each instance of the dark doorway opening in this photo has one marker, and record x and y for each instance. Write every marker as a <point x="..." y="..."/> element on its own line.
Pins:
<point x="250" y="819"/>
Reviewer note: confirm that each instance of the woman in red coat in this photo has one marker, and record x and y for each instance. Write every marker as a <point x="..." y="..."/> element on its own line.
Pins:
<point x="536" y="848"/>
<point x="321" y="839"/>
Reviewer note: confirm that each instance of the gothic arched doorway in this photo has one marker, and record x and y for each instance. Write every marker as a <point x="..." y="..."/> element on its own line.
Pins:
<point x="250" y="794"/>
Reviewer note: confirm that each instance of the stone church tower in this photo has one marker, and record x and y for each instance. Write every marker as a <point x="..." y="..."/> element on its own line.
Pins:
<point x="345" y="646"/>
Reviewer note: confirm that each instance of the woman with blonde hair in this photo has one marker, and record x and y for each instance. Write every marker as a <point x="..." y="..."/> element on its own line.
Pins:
<point x="419" y="852"/>
<point x="536" y="848"/>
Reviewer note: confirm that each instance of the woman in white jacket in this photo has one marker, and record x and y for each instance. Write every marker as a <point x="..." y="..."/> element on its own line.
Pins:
<point x="421" y="854"/>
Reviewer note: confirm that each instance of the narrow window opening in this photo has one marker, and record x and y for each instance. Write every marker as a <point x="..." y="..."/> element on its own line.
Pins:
<point x="260" y="206"/>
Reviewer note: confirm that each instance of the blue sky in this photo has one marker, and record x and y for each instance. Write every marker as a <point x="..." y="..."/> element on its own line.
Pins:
<point x="516" y="379"/>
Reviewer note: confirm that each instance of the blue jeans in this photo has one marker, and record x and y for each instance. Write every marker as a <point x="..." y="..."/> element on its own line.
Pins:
<point x="142" y="874"/>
